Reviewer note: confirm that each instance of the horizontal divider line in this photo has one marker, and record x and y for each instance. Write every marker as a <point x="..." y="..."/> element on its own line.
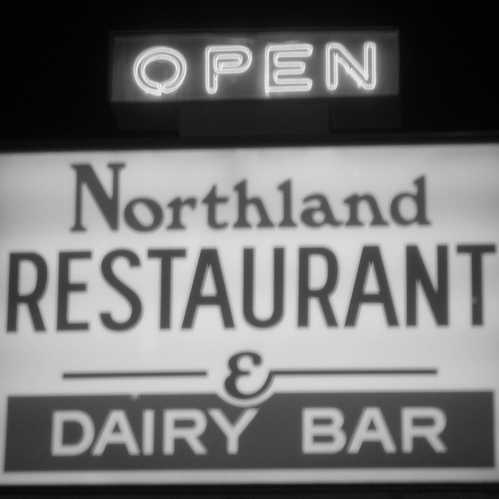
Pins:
<point x="276" y="372"/>
<point x="354" y="372"/>
<point x="132" y="374"/>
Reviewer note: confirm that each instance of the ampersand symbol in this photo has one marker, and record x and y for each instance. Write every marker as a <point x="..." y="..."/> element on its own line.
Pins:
<point x="237" y="371"/>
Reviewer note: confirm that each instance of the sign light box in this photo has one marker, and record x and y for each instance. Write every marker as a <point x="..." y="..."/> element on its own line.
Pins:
<point x="320" y="314"/>
<point x="172" y="67"/>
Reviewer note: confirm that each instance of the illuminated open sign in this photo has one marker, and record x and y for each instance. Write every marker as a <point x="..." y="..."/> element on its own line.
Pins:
<point x="194" y="67"/>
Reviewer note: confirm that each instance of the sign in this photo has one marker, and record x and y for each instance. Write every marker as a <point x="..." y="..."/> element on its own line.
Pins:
<point x="313" y="314"/>
<point x="172" y="67"/>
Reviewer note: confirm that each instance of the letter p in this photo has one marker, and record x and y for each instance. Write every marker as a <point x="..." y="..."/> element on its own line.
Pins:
<point x="225" y="60"/>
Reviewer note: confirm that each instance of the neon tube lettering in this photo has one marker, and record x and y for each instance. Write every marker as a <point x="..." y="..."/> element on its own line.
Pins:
<point x="224" y="60"/>
<point x="338" y="55"/>
<point x="159" y="54"/>
<point x="287" y="75"/>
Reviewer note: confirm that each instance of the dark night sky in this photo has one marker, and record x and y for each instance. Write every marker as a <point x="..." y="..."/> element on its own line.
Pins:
<point x="55" y="61"/>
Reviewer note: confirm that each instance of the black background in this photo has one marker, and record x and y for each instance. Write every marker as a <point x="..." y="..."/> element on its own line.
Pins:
<point x="55" y="61"/>
<point x="54" y="93"/>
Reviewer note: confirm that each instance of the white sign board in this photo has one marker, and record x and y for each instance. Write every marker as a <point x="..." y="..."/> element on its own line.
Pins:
<point x="319" y="314"/>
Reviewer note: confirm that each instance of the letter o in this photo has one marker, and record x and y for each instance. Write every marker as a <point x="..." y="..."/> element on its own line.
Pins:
<point x="155" y="54"/>
<point x="134" y="222"/>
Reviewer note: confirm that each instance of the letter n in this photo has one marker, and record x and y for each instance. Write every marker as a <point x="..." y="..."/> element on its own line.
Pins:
<point x="107" y="204"/>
